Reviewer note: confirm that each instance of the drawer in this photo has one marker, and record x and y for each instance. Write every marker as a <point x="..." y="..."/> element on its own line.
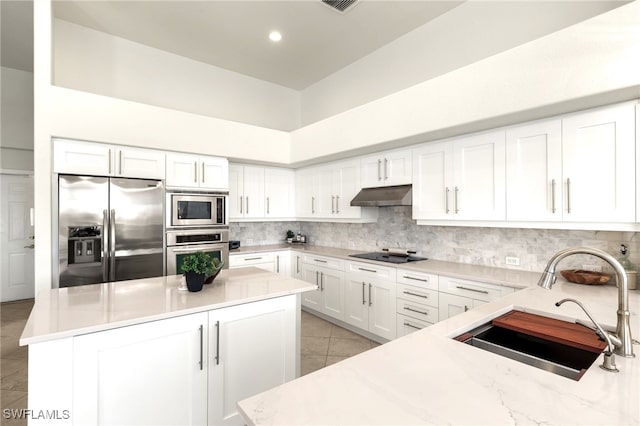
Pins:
<point x="372" y="271"/>
<point x="419" y="279"/>
<point x="327" y="262"/>
<point x="473" y="289"/>
<point x="240" y="260"/>
<point x="407" y="325"/>
<point x="417" y="310"/>
<point x="417" y="294"/>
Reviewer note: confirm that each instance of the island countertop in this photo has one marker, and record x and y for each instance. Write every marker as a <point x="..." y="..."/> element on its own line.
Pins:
<point x="428" y="378"/>
<point x="72" y="311"/>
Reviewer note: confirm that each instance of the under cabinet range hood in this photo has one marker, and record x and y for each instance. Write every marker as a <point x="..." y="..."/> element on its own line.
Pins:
<point x="386" y="196"/>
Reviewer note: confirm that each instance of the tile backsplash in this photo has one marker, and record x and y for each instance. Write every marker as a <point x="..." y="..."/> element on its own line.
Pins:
<point x="473" y="245"/>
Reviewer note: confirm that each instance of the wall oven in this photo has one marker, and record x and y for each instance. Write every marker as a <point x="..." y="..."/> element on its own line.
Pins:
<point x="196" y="209"/>
<point x="183" y="242"/>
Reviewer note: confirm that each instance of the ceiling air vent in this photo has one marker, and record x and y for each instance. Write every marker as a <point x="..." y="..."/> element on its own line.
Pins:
<point x="339" y="5"/>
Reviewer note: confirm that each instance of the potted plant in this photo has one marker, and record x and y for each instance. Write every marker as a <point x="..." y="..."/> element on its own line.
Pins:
<point x="290" y="236"/>
<point x="196" y="266"/>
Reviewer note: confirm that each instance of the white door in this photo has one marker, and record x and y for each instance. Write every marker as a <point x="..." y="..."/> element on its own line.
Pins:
<point x="306" y="192"/>
<point x="324" y="205"/>
<point x="279" y="190"/>
<point x="332" y="288"/>
<point x="254" y="201"/>
<point x="347" y="186"/>
<point x="140" y="163"/>
<point x="397" y="169"/>
<point x="311" y="299"/>
<point x="82" y="158"/>
<point x="356" y="307"/>
<point x="433" y="182"/>
<point x="182" y="170"/>
<point x="382" y="308"/>
<point x="450" y="305"/>
<point x="214" y="173"/>
<point x="371" y="171"/>
<point x="534" y="172"/>
<point x="236" y="191"/>
<point x="599" y="165"/>
<point x="16" y="237"/>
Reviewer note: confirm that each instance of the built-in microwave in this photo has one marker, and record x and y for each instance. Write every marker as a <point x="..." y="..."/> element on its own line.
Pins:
<point x="196" y="209"/>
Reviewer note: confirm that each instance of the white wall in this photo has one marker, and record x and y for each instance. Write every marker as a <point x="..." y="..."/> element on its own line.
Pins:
<point x="465" y="34"/>
<point x="591" y="63"/>
<point x="16" y="121"/>
<point x="96" y="62"/>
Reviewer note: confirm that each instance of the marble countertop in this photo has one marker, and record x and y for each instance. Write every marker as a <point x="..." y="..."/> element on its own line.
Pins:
<point x="72" y="311"/>
<point x="428" y="378"/>
<point x="488" y="274"/>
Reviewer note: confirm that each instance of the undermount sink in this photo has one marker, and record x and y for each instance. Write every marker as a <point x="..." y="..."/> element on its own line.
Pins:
<point x="544" y="353"/>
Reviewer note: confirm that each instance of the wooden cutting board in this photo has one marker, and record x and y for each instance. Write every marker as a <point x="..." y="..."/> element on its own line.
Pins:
<point x="567" y="333"/>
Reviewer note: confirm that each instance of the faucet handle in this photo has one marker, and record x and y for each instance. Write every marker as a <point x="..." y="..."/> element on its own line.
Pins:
<point x="609" y="363"/>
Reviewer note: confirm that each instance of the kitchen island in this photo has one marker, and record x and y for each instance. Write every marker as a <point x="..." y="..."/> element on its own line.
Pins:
<point x="429" y="378"/>
<point x="144" y="351"/>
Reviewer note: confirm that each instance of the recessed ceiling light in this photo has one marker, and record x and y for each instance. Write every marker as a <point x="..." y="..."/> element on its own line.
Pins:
<point x="275" y="36"/>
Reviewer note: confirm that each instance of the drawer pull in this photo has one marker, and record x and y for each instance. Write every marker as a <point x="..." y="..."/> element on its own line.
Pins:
<point x="320" y="260"/>
<point x="252" y="258"/>
<point x="424" y="280"/>
<point x="368" y="270"/>
<point x="424" y="296"/>
<point x="472" y="289"/>
<point x="412" y="326"/>
<point x="406" y="308"/>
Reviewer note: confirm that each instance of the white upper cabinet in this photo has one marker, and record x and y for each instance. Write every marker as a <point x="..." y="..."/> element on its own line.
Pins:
<point x="279" y="191"/>
<point x="306" y="183"/>
<point x="462" y="179"/>
<point x="260" y="192"/>
<point x="386" y="169"/>
<point x="197" y="171"/>
<point x="598" y="152"/>
<point x="534" y="172"/>
<point x="87" y="158"/>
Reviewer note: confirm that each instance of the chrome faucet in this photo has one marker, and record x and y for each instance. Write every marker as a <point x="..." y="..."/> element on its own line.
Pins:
<point x="609" y="363"/>
<point x="622" y="337"/>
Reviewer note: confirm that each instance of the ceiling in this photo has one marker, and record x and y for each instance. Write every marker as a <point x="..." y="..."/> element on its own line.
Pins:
<point x="316" y="40"/>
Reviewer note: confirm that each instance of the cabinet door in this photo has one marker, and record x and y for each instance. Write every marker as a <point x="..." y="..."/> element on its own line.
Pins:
<point x="371" y="171"/>
<point x="433" y="181"/>
<point x="236" y="191"/>
<point x="252" y="348"/>
<point x="306" y="192"/>
<point x="182" y="170"/>
<point x="311" y="299"/>
<point x="214" y="173"/>
<point x="397" y="168"/>
<point x="168" y="359"/>
<point x="347" y="186"/>
<point x="324" y="205"/>
<point x="296" y="265"/>
<point x="279" y="191"/>
<point x="82" y="158"/>
<point x="356" y="307"/>
<point x="599" y="165"/>
<point x="382" y="308"/>
<point x="451" y="305"/>
<point x="283" y="263"/>
<point x="479" y="173"/>
<point x="407" y="325"/>
<point x="253" y="192"/>
<point x="534" y="172"/>
<point x="140" y="163"/>
<point x="332" y="289"/>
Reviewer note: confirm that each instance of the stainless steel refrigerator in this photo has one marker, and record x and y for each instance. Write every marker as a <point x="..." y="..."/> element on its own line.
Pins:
<point x="110" y="229"/>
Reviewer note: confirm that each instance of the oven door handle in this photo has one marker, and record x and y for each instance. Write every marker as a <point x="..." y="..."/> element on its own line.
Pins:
<point x="178" y="250"/>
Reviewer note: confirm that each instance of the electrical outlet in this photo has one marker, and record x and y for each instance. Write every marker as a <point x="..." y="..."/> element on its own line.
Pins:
<point x="512" y="260"/>
<point x="249" y="242"/>
<point x="594" y="268"/>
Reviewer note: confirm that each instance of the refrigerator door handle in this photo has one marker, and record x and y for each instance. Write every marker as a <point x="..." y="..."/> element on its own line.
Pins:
<point x="112" y="245"/>
<point x="105" y="254"/>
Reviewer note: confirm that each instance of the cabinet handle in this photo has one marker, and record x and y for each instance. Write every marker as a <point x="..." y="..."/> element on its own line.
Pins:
<point x="252" y="258"/>
<point x="370" y="301"/>
<point x="247" y="197"/>
<point x="120" y="162"/>
<point x="317" y="276"/>
<point x="424" y="296"/>
<point x="313" y="202"/>
<point x="203" y="172"/>
<point x="195" y="172"/>
<point x="109" y="161"/>
<point x="456" y="191"/>
<point x="446" y="200"/>
<point x="466" y="308"/>
<point x="412" y="326"/>
<point x="241" y="204"/>
<point x="406" y="308"/>
<point x="267" y="205"/>
<point x="553" y="195"/>
<point x="472" y="289"/>
<point x="386" y="169"/>
<point x="333" y="200"/>
<point x="424" y="280"/>
<point x="217" y="342"/>
<point x="297" y="264"/>
<point x="568" y="195"/>
<point x="278" y="264"/>
<point x="201" y="347"/>
<point x="363" y="286"/>
<point x="320" y="260"/>
<point x="379" y="165"/>
<point x="337" y="204"/>
<point x="321" y="281"/>
<point x="368" y="270"/>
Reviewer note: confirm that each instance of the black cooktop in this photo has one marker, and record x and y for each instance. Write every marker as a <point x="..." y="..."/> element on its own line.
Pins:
<point x="385" y="257"/>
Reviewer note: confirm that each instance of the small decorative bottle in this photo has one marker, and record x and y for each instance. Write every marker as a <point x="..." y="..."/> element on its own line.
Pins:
<point x="629" y="267"/>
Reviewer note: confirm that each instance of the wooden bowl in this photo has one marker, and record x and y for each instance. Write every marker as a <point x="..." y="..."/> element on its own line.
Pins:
<point x="580" y="276"/>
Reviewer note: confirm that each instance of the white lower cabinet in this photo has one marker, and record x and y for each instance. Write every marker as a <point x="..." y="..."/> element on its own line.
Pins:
<point x="283" y="263"/>
<point x="417" y="301"/>
<point x="264" y="261"/>
<point x="329" y="297"/>
<point x="152" y="373"/>
<point x="251" y="349"/>
<point x="457" y="295"/>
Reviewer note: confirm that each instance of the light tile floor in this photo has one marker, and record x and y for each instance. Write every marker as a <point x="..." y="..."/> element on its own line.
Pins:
<point x="322" y="344"/>
<point x="13" y="358"/>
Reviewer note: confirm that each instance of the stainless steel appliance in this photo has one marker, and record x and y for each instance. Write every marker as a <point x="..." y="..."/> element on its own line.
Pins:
<point x="183" y="242"/>
<point x="109" y="229"/>
<point x="196" y="209"/>
<point x="390" y="256"/>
